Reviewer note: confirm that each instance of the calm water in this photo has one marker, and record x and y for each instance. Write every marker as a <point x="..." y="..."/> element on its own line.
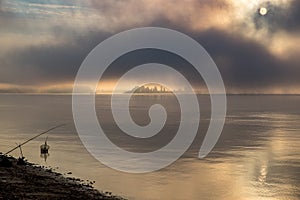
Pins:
<point x="257" y="156"/>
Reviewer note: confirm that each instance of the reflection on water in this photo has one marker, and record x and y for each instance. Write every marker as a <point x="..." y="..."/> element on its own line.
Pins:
<point x="257" y="156"/>
<point x="44" y="156"/>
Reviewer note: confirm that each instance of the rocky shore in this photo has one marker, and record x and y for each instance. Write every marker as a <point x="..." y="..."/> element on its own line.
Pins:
<point x="20" y="179"/>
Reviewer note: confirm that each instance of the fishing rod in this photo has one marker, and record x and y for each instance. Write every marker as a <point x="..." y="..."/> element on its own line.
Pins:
<point x="34" y="138"/>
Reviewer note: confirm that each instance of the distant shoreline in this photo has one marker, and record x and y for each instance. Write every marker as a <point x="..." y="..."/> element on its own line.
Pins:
<point x="167" y="93"/>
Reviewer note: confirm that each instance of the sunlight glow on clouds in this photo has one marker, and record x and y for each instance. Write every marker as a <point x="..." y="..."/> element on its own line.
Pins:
<point x="44" y="42"/>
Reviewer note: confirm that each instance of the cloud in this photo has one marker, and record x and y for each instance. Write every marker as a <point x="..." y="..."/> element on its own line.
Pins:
<point x="279" y="18"/>
<point x="247" y="64"/>
<point x="55" y="48"/>
<point x="244" y="63"/>
<point x="46" y="63"/>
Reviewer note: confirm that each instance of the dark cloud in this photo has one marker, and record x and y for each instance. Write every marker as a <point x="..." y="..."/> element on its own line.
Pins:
<point x="279" y="17"/>
<point x="243" y="62"/>
<point x="50" y="63"/>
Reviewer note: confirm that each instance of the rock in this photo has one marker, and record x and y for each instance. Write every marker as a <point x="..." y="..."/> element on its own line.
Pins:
<point x="5" y="162"/>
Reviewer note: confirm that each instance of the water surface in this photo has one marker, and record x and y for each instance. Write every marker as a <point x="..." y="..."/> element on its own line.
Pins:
<point x="257" y="156"/>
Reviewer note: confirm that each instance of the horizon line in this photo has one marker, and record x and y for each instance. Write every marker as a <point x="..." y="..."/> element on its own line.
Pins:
<point x="158" y="93"/>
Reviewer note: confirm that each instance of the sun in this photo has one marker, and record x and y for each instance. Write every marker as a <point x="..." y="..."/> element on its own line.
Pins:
<point x="263" y="11"/>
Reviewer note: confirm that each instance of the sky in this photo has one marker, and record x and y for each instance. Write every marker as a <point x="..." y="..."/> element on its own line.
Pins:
<point x="43" y="42"/>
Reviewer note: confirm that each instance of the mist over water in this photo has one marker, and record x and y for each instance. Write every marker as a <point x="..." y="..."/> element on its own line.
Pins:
<point x="256" y="157"/>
